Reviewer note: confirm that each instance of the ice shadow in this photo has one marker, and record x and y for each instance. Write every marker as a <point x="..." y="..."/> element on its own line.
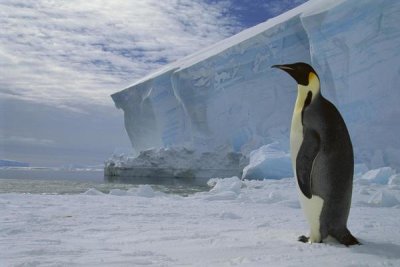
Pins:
<point x="386" y="250"/>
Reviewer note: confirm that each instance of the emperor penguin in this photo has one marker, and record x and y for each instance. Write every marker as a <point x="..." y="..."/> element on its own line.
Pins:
<point x="322" y="159"/>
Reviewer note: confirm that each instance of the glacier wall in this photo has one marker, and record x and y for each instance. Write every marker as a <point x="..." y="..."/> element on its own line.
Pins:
<point x="227" y="96"/>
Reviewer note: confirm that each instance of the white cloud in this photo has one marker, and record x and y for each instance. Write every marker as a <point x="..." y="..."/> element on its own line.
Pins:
<point x="22" y="140"/>
<point x="69" y="53"/>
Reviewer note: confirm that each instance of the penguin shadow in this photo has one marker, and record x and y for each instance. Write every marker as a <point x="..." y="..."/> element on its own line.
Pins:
<point x="384" y="250"/>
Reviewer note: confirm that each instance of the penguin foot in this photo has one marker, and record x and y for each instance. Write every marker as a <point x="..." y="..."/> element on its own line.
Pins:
<point x="349" y="240"/>
<point x="346" y="238"/>
<point x="303" y="239"/>
<point x="306" y="239"/>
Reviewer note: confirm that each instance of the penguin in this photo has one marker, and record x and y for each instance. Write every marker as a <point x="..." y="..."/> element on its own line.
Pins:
<point x="322" y="159"/>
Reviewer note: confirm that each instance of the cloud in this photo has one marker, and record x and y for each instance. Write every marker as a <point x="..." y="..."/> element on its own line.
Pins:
<point x="275" y="8"/>
<point x="21" y="140"/>
<point x="68" y="53"/>
<point x="60" y="60"/>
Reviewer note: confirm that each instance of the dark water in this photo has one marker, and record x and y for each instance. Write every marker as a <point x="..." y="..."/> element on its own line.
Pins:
<point x="59" y="181"/>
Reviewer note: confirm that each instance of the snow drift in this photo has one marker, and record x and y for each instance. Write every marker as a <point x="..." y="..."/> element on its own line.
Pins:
<point x="227" y="94"/>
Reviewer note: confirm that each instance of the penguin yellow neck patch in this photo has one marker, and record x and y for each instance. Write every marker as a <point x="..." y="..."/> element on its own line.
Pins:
<point x="313" y="83"/>
<point x="313" y="86"/>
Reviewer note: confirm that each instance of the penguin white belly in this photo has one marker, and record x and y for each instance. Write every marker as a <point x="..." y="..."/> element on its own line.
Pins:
<point x="312" y="207"/>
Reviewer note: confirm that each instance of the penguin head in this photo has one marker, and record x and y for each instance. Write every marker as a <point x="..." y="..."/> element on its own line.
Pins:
<point x="303" y="73"/>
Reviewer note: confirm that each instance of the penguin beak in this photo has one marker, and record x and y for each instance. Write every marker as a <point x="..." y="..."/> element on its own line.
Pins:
<point x="283" y="67"/>
<point x="289" y="70"/>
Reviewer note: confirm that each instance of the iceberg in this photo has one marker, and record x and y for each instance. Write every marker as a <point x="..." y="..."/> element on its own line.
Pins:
<point x="226" y="95"/>
<point x="177" y="162"/>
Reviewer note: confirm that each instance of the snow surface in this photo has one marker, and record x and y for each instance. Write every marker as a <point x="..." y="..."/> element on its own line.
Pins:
<point x="227" y="94"/>
<point x="235" y="223"/>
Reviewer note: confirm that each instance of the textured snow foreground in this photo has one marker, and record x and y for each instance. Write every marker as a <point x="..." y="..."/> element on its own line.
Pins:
<point x="250" y="223"/>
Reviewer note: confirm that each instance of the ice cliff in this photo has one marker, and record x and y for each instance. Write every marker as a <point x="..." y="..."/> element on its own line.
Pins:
<point x="228" y="96"/>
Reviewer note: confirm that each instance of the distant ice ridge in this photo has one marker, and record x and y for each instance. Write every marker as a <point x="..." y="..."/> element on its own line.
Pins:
<point x="12" y="163"/>
<point x="227" y="94"/>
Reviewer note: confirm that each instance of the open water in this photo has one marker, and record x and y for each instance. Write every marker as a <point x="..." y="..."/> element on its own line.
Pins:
<point x="61" y="181"/>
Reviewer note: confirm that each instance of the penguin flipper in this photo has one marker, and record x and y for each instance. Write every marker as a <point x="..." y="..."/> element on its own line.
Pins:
<point x="305" y="159"/>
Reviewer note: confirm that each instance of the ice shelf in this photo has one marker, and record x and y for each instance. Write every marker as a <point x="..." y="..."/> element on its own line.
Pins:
<point x="227" y="95"/>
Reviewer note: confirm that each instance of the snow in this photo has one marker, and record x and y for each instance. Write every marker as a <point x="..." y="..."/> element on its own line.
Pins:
<point x="235" y="222"/>
<point x="227" y="94"/>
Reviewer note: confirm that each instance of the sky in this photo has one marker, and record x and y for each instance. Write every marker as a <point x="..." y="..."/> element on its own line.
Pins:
<point x="61" y="60"/>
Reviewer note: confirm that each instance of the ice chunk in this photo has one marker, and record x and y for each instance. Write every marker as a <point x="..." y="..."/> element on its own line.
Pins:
<point x="394" y="181"/>
<point x="383" y="199"/>
<point x="142" y="191"/>
<point x="93" y="192"/>
<point x="222" y="189"/>
<point x="360" y="169"/>
<point x="178" y="162"/>
<point x="117" y="192"/>
<point x="233" y="184"/>
<point x="268" y="162"/>
<point x="377" y="176"/>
